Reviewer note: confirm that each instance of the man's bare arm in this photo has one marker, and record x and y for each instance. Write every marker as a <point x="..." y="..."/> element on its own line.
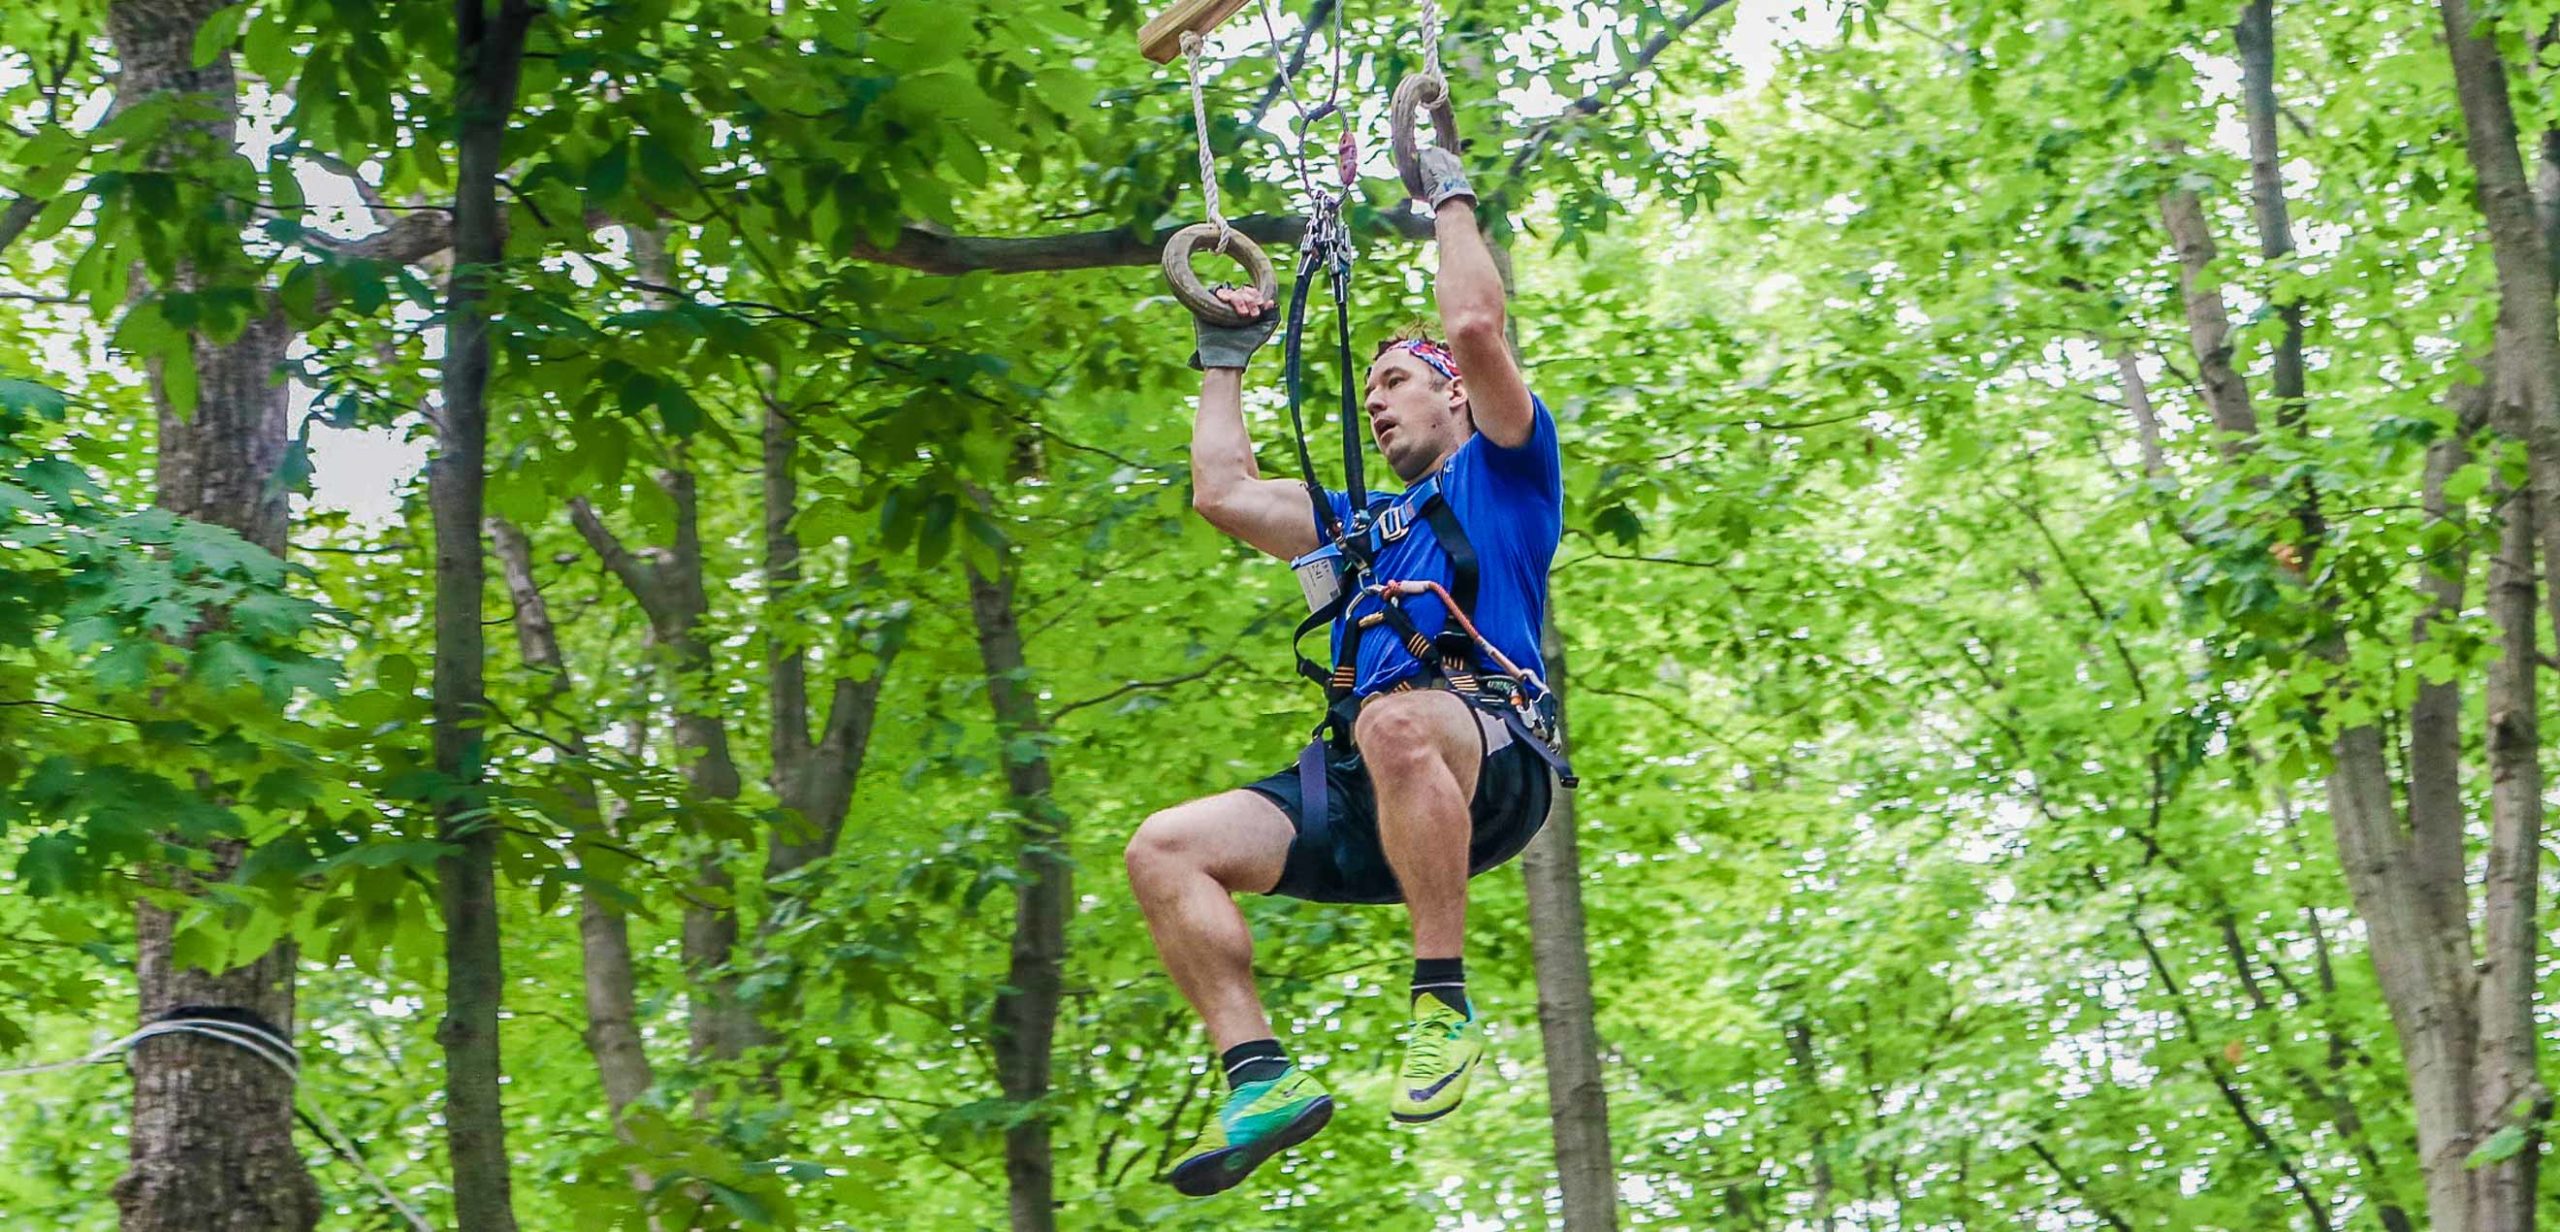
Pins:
<point x="1472" y="310"/>
<point x="1227" y="487"/>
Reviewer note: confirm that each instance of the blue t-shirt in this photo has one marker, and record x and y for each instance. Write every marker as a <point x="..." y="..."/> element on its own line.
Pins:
<point x="1510" y="502"/>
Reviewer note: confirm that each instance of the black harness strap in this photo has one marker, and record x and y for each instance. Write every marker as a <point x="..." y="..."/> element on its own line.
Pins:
<point x="1453" y="642"/>
<point x="1293" y="370"/>
<point x="1353" y="484"/>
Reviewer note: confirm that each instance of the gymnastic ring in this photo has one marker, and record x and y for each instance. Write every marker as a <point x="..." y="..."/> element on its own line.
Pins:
<point x="1415" y="94"/>
<point x="1196" y="295"/>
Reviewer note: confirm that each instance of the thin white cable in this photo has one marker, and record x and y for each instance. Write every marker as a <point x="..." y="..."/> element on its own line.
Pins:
<point x="1200" y="123"/>
<point x="267" y="1047"/>
<point x="1306" y="118"/>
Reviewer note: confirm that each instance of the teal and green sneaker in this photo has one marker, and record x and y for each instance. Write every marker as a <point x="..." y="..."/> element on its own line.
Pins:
<point x="1260" y="1120"/>
<point x="1439" y="1056"/>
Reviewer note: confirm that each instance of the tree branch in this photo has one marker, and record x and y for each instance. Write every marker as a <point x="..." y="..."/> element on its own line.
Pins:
<point x="14" y="221"/>
<point x="1138" y="686"/>
<point x="928" y="250"/>
<point x="638" y="576"/>
<point x="1317" y="14"/>
<point x="410" y="239"/>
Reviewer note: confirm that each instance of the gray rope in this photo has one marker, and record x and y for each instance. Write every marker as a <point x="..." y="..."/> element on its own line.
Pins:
<point x="264" y="1045"/>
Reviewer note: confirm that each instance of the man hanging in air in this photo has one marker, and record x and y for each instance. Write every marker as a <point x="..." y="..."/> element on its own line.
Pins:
<point x="1440" y="766"/>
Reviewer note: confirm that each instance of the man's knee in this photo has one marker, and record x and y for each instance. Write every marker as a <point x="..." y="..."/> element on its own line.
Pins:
<point x="1237" y="839"/>
<point x="1404" y="732"/>
<point x="1158" y="847"/>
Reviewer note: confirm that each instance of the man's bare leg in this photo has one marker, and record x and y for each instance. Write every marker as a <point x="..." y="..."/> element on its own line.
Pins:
<point x="1423" y="750"/>
<point x="1186" y="864"/>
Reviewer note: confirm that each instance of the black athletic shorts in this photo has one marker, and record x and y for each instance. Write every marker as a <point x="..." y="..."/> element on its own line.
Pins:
<point x="1337" y="858"/>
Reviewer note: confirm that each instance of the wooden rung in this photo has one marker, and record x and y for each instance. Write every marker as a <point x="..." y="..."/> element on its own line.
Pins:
<point x="1161" y="40"/>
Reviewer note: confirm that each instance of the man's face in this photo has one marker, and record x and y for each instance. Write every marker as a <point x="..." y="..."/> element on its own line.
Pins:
<point x="1417" y="417"/>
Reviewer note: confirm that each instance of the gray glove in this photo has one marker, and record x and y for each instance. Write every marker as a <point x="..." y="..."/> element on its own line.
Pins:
<point x="1230" y="346"/>
<point x="1444" y="178"/>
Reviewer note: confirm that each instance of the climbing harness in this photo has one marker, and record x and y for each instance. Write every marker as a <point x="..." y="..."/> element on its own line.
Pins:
<point x="1336" y="577"/>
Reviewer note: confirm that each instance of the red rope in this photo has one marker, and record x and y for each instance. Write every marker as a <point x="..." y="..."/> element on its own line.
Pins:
<point x="1386" y="592"/>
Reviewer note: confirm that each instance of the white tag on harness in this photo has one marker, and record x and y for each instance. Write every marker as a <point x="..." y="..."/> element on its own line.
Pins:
<point x="1320" y="576"/>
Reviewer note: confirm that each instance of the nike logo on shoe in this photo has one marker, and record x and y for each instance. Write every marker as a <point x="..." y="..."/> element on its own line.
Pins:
<point x="1419" y="1094"/>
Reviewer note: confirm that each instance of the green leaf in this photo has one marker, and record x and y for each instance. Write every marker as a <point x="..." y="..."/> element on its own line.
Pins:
<point x="267" y="46"/>
<point x="28" y="398"/>
<point x="220" y="29"/>
<point x="293" y="470"/>
<point x="178" y="380"/>
<point x="125" y="666"/>
<point x="51" y="865"/>
<point x="608" y="175"/>
<point x="2499" y="1147"/>
<point x="678" y="410"/>
<point x="223" y="663"/>
<point x="744" y="1205"/>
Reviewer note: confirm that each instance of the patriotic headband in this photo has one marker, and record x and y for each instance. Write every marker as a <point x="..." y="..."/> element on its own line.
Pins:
<point x="1431" y="353"/>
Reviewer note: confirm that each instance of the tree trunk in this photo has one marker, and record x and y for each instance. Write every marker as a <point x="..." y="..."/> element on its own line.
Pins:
<point x="1577" y="1095"/>
<point x="1808" y="1070"/>
<point x="489" y="51"/>
<point x="1026" y="1012"/>
<point x="667" y="583"/>
<point x="2502" y="1195"/>
<point x="2546" y="183"/>
<point x="2420" y="935"/>
<point x="2436" y="811"/>
<point x="2526" y="380"/>
<point x="2146" y="421"/>
<point x="2525" y="396"/>
<point x="815" y="779"/>
<point x="212" y="1139"/>
<point x="604" y="934"/>
<point x="2256" y="36"/>
<point x="2434" y="760"/>
<point x="2208" y="321"/>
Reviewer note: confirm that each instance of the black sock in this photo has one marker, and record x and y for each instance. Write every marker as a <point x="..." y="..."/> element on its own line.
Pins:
<point x="1254" y="1061"/>
<point x="1445" y="978"/>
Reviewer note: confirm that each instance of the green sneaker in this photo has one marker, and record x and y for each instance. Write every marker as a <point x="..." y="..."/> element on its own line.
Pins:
<point x="1260" y="1120"/>
<point x="1439" y="1056"/>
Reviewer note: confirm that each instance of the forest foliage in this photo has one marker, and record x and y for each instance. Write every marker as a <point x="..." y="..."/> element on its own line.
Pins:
<point x="1960" y="684"/>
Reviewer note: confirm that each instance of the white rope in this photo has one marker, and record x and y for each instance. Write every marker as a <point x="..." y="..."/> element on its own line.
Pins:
<point x="267" y="1047"/>
<point x="1431" y="42"/>
<point x="1200" y="123"/>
